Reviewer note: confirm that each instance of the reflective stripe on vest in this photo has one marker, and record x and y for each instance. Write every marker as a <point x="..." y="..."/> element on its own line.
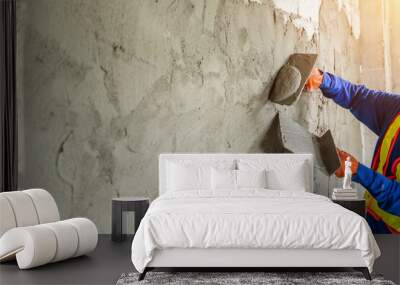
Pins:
<point x="398" y="172"/>
<point x="387" y="144"/>
<point x="380" y="165"/>
<point x="390" y="220"/>
<point x="396" y="169"/>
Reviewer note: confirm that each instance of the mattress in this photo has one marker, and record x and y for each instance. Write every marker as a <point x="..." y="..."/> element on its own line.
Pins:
<point x="250" y="219"/>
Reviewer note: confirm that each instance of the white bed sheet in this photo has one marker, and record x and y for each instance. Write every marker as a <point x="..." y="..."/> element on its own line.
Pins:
<point x="251" y="218"/>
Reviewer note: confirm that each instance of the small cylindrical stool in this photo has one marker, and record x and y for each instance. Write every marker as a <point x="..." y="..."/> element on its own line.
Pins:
<point x="126" y="204"/>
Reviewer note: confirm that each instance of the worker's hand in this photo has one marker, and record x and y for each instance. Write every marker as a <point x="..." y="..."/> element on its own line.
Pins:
<point x="343" y="156"/>
<point x="314" y="81"/>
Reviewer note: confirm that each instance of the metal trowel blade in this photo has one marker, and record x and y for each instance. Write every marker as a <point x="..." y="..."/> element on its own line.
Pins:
<point x="287" y="93"/>
<point x="327" y="152"/>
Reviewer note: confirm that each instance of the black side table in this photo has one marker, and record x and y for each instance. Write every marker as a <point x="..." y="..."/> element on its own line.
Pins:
<point x="125" y="204"/>
<point x="357" y="205"/>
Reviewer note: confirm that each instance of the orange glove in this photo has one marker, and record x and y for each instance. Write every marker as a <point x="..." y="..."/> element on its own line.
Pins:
<point x="314" y="81"/>
<point x="343" y="156"/>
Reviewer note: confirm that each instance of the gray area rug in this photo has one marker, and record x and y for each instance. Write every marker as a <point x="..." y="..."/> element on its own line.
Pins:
<point x="228" y="278"/>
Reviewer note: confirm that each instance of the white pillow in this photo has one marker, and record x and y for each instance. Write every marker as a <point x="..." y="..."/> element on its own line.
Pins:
<point x="282" y="174"/>
<point x="185" y="177"/>
<point x="293" y="179"/>
<point x="236" y="179"/>
<point x="251" y="178"/>
<point x="223" y="179"/>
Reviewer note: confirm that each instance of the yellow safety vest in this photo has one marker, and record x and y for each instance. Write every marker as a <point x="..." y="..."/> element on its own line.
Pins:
<point x="380" y="165"/>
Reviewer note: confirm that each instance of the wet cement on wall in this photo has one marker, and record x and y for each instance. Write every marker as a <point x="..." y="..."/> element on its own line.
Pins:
<point x="108" y="85"/>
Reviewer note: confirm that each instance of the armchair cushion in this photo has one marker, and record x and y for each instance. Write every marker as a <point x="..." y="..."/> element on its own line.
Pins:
<point x="45" y="206"/>
<point x="24" y="211"/>
<point x="7" y="220"/>
<point x="40" y="244"/>
<point x="27" y="208"/>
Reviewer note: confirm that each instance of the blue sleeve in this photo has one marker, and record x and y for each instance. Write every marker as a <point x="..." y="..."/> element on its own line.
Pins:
<point x="386" y="191"/>
<point x="375" y="109"/>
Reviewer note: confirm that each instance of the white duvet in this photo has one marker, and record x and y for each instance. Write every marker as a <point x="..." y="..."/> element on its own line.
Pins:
<point x="252" y="218"/>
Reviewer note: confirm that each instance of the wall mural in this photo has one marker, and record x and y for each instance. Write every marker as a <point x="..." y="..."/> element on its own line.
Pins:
<point x="110" y="87"/>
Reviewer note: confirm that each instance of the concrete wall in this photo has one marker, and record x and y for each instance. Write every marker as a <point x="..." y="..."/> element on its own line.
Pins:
<point x="372" y="62"/>
<point x="394" y="29"/>
<point x="108" y="85"/>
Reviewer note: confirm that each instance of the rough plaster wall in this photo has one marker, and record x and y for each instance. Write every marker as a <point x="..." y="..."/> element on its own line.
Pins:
<point x="395" y="43"/>
<point x="380" y="64"/>
<point x="372" y="62"/>
<point x="304" y="14"/>
<point x="108" y="85"/>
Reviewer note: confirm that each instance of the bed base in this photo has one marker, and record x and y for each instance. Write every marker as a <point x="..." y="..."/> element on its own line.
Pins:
<point x="363" y="270"/>
<point x="250" y="259"/>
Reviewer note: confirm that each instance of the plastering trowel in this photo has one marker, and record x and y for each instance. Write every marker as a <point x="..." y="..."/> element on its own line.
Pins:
<point x="291" y="78"/>
<point x="287" y="136"/>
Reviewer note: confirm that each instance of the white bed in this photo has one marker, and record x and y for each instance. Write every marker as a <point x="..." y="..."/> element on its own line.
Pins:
<point x="206" y="226"/>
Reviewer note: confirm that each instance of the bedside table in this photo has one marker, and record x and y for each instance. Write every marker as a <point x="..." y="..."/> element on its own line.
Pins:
<point x="357" y="205"/>
<point x="126" y="204"/>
